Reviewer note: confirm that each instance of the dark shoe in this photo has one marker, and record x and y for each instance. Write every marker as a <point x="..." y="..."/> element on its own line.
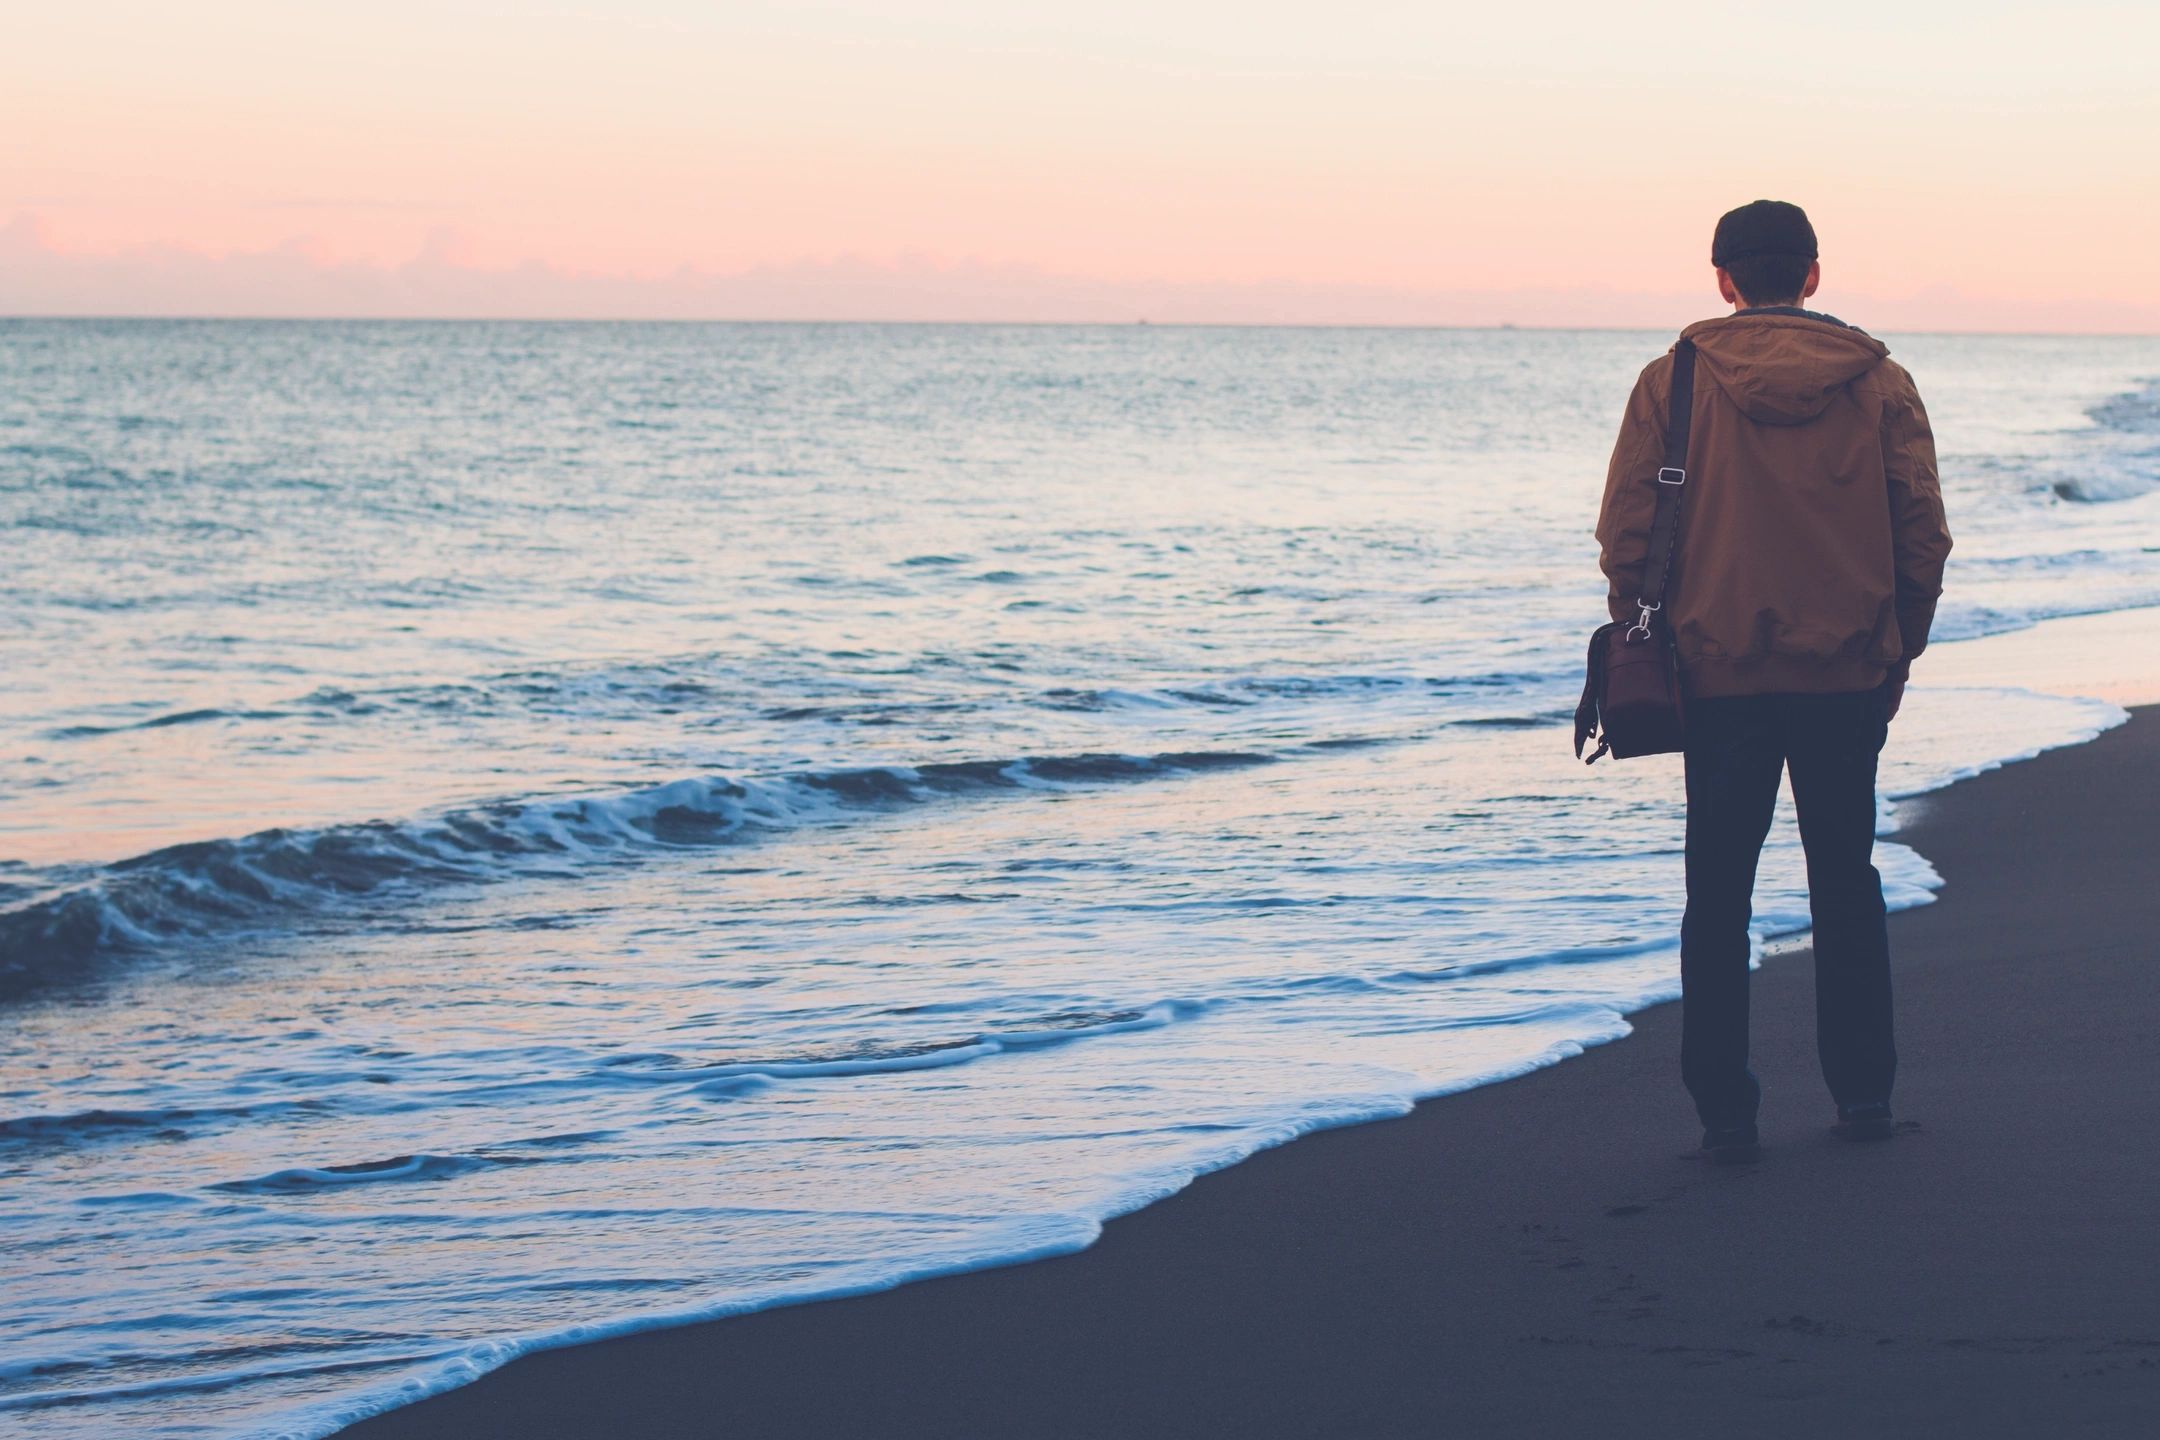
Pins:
<point x="1732" y="1144"/>
<point x="1864" y="1122"/>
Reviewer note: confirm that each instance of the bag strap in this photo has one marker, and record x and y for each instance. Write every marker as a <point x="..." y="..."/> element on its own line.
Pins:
<point x="1672" y="484"/>
<point x="1593" y="695"/>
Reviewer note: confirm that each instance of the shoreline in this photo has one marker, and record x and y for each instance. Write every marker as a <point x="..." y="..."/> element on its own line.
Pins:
<point x="1376" y="1254"/>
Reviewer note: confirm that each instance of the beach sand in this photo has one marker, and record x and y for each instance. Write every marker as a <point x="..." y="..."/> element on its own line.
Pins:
<point x="1547" y="1256"/>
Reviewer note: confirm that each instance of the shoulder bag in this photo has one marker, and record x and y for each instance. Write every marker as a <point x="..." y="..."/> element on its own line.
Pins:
<point x="1631" y="701"/>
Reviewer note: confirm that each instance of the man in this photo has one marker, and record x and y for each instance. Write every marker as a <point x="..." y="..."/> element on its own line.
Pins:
<point x="1803" y="584"/>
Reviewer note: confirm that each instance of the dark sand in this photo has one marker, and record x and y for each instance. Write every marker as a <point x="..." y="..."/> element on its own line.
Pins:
<point x="1545" y="1257"/>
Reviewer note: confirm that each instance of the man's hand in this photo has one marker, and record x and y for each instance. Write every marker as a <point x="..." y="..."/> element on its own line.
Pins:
<point x="1899" y="674"/>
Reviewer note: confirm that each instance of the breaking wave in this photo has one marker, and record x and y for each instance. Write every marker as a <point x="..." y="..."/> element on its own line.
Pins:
<point x="211" y="887"/>
<point x="2125" y="474"/>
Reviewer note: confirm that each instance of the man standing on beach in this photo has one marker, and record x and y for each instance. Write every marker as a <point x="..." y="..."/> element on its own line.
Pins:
<point x="1803" y="583"/>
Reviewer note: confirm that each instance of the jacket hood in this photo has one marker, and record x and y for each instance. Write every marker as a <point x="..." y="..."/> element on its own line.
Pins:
<point x="1782" y="366"/>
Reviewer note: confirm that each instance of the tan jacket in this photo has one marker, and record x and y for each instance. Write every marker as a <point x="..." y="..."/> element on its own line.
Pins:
<point x="1812" y="537"/>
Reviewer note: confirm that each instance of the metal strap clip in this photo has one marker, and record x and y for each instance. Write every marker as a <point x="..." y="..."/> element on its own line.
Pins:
<point x="1640" y="630"/>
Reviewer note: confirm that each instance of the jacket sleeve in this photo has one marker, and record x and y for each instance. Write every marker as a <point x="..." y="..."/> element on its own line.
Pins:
<point x="1623" y="527"/>
<point x="1919" y="534"/>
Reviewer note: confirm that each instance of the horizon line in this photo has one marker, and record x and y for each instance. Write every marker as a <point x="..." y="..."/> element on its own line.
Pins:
<point x="139" y="317"/>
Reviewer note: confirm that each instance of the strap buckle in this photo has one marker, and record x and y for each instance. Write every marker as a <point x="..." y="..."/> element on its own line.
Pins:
<point x="1679" y="475"/>
<point x="1640" y="630"/>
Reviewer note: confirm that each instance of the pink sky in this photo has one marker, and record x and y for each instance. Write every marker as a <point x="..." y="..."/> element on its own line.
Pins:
<point x="1969" y="166"/>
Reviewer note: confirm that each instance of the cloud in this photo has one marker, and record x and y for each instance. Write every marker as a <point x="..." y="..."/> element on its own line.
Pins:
<point x="40" y="276"/>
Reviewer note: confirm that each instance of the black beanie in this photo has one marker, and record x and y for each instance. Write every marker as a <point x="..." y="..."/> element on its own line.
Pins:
<point x="1766" y="227"/>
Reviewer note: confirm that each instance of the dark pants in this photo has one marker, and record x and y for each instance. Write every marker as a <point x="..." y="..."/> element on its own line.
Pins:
<point x="1736" y="748"/>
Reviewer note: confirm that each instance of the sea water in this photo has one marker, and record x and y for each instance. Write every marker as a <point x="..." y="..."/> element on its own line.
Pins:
<point x="511" y="833"/>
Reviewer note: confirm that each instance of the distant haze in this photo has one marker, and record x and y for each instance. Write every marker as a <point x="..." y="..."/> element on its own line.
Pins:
<point x="1969" y="166"/>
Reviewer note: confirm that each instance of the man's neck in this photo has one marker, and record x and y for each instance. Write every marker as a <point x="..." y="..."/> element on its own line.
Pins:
<point x="1793" y="308"/>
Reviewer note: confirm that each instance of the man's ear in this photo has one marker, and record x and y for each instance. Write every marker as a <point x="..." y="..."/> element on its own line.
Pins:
<point x="1814" y="278"/>
<point x="1731" y="292"/>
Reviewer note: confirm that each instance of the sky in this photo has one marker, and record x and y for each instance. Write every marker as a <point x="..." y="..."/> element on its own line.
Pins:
<point x="1970" y="166"/>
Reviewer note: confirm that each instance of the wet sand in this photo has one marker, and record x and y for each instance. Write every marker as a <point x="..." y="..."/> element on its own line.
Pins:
<point x="1547" y="1256"/>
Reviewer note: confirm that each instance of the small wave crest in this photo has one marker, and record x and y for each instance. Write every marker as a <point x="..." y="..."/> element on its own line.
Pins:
<point x="738" y="1076"/>
<point x="2099" y="486"/>
<point x="2117" y="473"/>
<point x="1244" y="691"/>
<point x="2135" y="412"/>
<point x="210" y="887"/>
<point x="93" y="1124"/>
<point x="161" y="722"/>
<point x="308" y="1179"/>
<point x="705" y="686"/>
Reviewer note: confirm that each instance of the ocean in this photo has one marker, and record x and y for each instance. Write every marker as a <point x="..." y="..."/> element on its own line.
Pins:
<point x="511" y="833"/>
